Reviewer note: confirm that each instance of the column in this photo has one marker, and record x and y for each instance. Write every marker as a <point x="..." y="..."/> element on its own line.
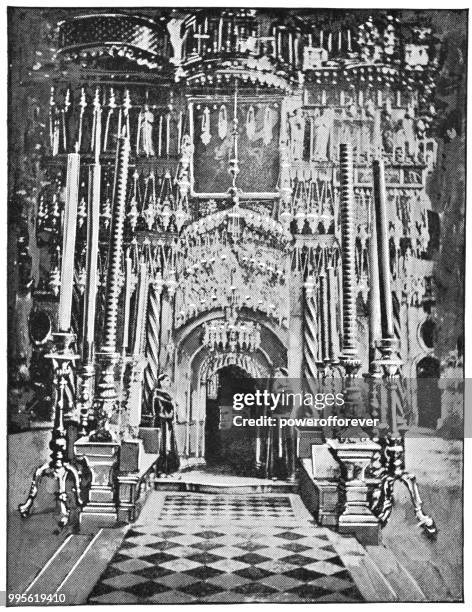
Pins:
<point x="134" y="404"/>
<point x="310" y="336"/>
<point x="153" y="330"/>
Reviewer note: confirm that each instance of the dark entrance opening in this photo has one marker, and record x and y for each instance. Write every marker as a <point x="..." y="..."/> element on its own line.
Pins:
<point x="428" y="392"/>
<point x="229" y="449"/>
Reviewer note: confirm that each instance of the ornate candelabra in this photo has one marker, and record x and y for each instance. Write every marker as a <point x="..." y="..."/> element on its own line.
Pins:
<point x="352" y="448"/>
<point x="107" y="395"/>
<point x="63" y="358"/>
<point x="392" y="457"/>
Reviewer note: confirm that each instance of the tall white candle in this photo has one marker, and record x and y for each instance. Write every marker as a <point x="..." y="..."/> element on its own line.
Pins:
<point x="140" y="308"/>
<point x="179" y="131"/>
<point x="93" y="224"/>
<point x="220" y="34"/>
<point x="159" y="144"/>
<point x="68" y="241"/>
<point x="128" y="289"/>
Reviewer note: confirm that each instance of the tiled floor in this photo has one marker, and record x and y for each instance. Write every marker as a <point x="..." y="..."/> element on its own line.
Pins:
<point x="216" y="548"/>
<point x="245" y="507"/>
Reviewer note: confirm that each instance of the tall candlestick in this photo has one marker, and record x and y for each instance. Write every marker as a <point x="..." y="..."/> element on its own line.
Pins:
<point x="374" y="293"/>
<point x="159" y="144"/>
<point x="383" y="252"/>
<point x="107" y="395"/>
<point x="116" y="245"/>
<point x="168" y="134"/>
<point x="349" y="353"/>
<point x="68" y="241"/>
<point x="93" y="225"/>
<point x="179" y="131"/>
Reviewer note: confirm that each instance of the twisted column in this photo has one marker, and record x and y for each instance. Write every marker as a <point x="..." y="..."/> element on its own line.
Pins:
<point x="349" y="355"/>
<point x="138" y="362"/>
<point x="324" y="318"/>
<point x="310" y="335"/>
<point x="107" y="394"/>
<point x="153" y="340"/>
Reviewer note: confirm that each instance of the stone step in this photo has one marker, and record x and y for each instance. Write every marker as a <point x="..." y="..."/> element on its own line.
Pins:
<point x="369" y="579"/>
<point x="80" y="580"/>
<point x="198" y="482"/>
<point x="400" y="579"/>
<point x="59" y="565"/>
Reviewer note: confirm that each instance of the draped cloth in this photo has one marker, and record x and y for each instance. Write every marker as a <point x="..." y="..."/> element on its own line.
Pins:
<point x="279" y="443"/>
<point x="163" y="416"/>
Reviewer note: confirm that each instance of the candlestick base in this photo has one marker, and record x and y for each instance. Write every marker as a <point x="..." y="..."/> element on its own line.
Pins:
<point x="392" y="471"/>
<point x="350" y="362"/>
<point x="60" y="474"/>
<point x="392" y="456"/>
<point x="62" y="357"/>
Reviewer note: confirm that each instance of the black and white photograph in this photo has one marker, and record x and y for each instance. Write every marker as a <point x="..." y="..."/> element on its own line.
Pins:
<point x="235" y="298"/>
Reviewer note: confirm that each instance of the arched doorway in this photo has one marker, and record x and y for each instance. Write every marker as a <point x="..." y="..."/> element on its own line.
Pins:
<point x="196" y="366"/>
<point x="229" y="449"/>
<point x="428" y="392"/>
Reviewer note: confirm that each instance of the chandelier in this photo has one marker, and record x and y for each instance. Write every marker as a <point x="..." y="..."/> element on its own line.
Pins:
<point x="232" y="335"/>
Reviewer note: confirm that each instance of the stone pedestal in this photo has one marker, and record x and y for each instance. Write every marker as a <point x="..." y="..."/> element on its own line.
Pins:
<point x="134" y="484"/>
<point x="101" y="459"/>
<point x="355" y="516"/>
<point x="320" y="495"/>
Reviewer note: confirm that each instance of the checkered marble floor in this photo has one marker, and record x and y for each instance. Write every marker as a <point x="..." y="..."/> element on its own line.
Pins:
<point x="249" y="507"/>
<point x="220" y="548"/>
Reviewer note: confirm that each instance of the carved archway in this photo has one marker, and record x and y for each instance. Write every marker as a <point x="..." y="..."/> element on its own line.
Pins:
<point x="195" y="363"/>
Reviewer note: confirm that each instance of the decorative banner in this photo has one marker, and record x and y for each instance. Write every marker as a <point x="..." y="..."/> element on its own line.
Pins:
<point x="206" y="135"/>
<point x="251" y="124"/>
<point x="258" y="147"/>
<point x="222" y="122"/>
